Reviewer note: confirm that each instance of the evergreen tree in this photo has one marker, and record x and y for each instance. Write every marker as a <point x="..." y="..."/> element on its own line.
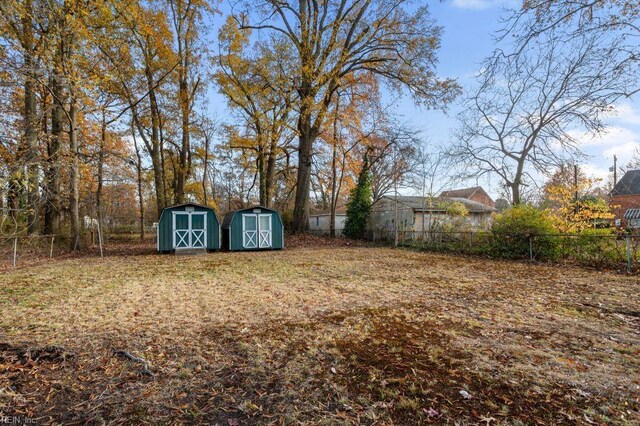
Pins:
<point x="359" y="204"/>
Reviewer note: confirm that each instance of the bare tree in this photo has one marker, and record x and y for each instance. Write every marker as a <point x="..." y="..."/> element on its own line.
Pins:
<point x="430" y="175"/>
<point x="521" y="119"/>
<point x="392" y="154"/>
<point x="616" y="23"/>
<point x="635" y="160"/>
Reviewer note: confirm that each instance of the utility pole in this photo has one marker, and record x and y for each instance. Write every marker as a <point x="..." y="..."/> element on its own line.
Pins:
<point x="575" y="185"/>
<point x="395" y="187"/>
<point x="615" y="170"/>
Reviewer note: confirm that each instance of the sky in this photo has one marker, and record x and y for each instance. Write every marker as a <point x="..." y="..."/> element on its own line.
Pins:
<point x="468" y="27"/>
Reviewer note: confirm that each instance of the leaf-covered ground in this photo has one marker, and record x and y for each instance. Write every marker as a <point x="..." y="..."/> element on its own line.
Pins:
<point x="318" y="335"/>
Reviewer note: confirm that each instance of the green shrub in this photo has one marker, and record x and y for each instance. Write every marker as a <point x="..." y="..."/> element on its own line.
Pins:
<point x="598" y="247"/>
<point x="513" y="229"/>
<point x="359" y="205"/>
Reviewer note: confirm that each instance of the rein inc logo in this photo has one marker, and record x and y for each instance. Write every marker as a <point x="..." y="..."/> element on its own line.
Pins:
<point x="17" y="420"/>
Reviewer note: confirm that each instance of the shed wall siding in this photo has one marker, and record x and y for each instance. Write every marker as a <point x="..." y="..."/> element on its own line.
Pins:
<point x="383" y="215"/>
<point x="165" y="228"/>
<point x="235" y="230"/>
<point x="476" y="220"/>
<point x="322" y="223"/>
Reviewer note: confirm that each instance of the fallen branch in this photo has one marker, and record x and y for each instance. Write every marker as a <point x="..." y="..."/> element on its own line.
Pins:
<point x="635" y="314"/>
<point x="145" y="365"/>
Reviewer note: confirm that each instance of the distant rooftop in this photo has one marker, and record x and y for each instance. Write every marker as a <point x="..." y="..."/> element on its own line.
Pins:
<point x="340" y="210"/>
<point x="629" y="184"/>
<point x="435" y="204"/>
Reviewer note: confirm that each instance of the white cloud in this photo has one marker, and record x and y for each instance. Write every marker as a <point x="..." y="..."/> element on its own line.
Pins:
<point x="600" y="149"/>
<point x="626" y="113"/>
<point x="613" y="135"/>
<point x="593" y="171"/>
<point x="624" y="151"/>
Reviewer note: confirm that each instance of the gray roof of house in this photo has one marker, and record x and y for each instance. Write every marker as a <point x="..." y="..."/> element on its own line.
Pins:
<point x="629" y="184"/>
<point x="341" y="210"/>
<point x="430" y="204"/>
<point x="463" y="192"/>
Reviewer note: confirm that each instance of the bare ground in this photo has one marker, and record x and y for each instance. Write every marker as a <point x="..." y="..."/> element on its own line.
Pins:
<point x="330" y="334"/>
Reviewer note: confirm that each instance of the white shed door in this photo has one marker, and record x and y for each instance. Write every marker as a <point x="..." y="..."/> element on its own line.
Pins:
<point x="250" y="231"/>
<point x="265" y="230"/>
<point x="189" y="230"/>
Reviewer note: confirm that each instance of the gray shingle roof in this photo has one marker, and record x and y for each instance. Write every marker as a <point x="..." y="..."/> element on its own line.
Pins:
<point x="340" y="210"/>
<point x="461" y="193"/>
<point x="629" y="184"/>
<point x="430" y="204"/>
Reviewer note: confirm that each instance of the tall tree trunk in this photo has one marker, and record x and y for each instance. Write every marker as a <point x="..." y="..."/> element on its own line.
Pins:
<point x="307" y="134"/>
<point x="334" y="172"/>
<point x="262" y="175"/>
<point x="74" y="195"/>
<point x="139" y="176"/>
<point x="206" y="168"/>
<point x="52" y="205"/>
<point x="30" y="126"/>
<point x="12" y="195"/>
<point x="516" y="196"/>
<point x="182" y="171"/>
<point x="163" y="161"/>
<point x="158" y="170"/>
<point x="184" y="20"/>
<point x="271" y="171"/>
<point x="103" y="139"/>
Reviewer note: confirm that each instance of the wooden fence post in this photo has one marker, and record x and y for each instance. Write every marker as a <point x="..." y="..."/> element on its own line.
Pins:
<point x="15" y="250"/>
<point x="100" y="238"/>
<point x="51" y="249"/>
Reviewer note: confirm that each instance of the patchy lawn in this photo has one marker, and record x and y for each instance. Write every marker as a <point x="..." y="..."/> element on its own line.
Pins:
<point x="319" y="335"/>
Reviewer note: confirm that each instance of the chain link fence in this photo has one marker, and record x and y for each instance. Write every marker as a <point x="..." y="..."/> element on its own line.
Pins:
<point x="17" y="250"/>
<point x="620" y="252"/>
<point x="27" y="250"/>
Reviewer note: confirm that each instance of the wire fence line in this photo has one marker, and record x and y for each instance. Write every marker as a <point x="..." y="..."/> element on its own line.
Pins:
<point x="14" y="249"/>
<point x="613" y="251"/>
<point x="29" y="249"/>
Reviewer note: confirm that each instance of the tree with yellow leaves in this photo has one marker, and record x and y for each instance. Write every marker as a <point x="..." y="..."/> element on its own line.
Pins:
<point x="334" y="39"/>
<point x="570" y="197"/>
<point x="255" y="80"/>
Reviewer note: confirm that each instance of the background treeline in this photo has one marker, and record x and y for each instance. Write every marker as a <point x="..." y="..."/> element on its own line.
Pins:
<point x="104" y="113"/>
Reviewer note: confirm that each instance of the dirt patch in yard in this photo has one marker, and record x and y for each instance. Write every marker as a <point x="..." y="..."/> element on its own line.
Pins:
<point x="325" y="335"/>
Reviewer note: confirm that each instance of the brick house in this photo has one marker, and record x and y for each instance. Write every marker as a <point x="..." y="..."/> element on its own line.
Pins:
<point x="625" y="199"/>
<point x="477" y="194"/>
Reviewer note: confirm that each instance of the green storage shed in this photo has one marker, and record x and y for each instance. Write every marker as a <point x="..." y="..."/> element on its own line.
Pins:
<point x="188" y="226"/>
<point x="254" y="228"/>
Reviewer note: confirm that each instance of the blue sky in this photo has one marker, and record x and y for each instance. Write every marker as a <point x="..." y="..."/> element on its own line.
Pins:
<point x="468" y="38"/>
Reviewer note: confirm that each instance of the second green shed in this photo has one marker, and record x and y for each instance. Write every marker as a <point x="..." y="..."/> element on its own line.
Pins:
<point x="188" y="226"/>
<point x="254" y="228"/>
